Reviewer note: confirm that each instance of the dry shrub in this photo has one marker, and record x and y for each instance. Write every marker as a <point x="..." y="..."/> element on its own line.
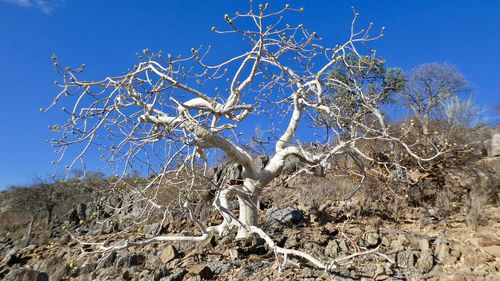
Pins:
<point x="401" y="182"/>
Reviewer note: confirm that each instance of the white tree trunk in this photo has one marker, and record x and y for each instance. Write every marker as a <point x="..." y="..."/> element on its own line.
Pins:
<point x="248" y="216"/>
<point x="248" y="208"/>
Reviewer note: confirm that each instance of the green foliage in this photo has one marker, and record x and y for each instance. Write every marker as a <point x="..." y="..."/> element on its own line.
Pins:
<point x="357" y="79"/>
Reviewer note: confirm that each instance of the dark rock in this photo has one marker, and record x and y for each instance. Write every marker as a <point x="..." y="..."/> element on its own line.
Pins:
<point x="261" y="162"/>
<point x="81" y="211"/>
<point x="73" y="216"/>
<point x="247" y="271"/>
<point x="201" y="270"/>
<point x="24" y="274"/>
<point x="220" y="266"/>
<point x="130" y="260"/>
<point x="11" y="256"/>
<point x="257" y="246"/>
<point x="159" y="273"/>
<point x="177" y="275"/>
<point x="286" y="216"/>
<point x="107" y="261"/>
<point x="292" y="164"/>
<point x="234" y="172"/>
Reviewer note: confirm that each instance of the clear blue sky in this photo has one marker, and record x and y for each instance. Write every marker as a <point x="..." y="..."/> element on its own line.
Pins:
<point x="105" y="35"/>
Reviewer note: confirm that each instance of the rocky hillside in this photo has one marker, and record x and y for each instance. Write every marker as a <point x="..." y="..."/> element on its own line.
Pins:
<point x="367" y="242"/>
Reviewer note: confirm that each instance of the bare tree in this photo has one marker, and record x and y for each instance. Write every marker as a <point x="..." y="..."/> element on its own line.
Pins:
<point x="429" y="85"/>
<point x="169" y="114"/>
<point x="463" y="113"/>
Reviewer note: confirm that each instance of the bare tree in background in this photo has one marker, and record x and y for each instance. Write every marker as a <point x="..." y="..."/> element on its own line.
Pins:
<point x="463" y="113"/>
<point x="169" y="114"/>
<point x="429" y="86"/>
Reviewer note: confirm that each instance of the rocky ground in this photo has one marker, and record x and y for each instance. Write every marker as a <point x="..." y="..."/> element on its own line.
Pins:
<point x="420" y="244"/>
<point x="420" y="247"/>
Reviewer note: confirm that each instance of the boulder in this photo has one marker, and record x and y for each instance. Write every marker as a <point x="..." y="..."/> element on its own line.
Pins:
<point x="286" y="216"/>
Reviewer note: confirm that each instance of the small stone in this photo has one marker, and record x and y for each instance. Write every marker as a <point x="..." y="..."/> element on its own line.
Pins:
<point x="425" y="261"/>
<point x="320" y="239"/>
<point x="150" y="228"/>
<point x="331" y="229"/>
<point x="130" y="260"/>
<point x="11" y="256"/>
<point x="168" y="254"/>
<point x="159" y="273"/>
<point x="343" y="246"/>
<point x="292" y="242"/>
<point x="442" y="252"/>
<point x="332" y="249"/>
<point x="233" y="254"/>
<point x="370" y="239"/>
<point x="177" y="275"/>
<point x="382" y="277"/>
<point x="453" y="278"/>
<point x="424" y="245"/>
<point x="378" y="271"/>
<point x="201" y="270"/>
<point x="385" y="241"/>
<point x="220" y="267"/>
<point x="405" y="259"/>
<point x="107" y="261"/>
<point x="399" y="243"/>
